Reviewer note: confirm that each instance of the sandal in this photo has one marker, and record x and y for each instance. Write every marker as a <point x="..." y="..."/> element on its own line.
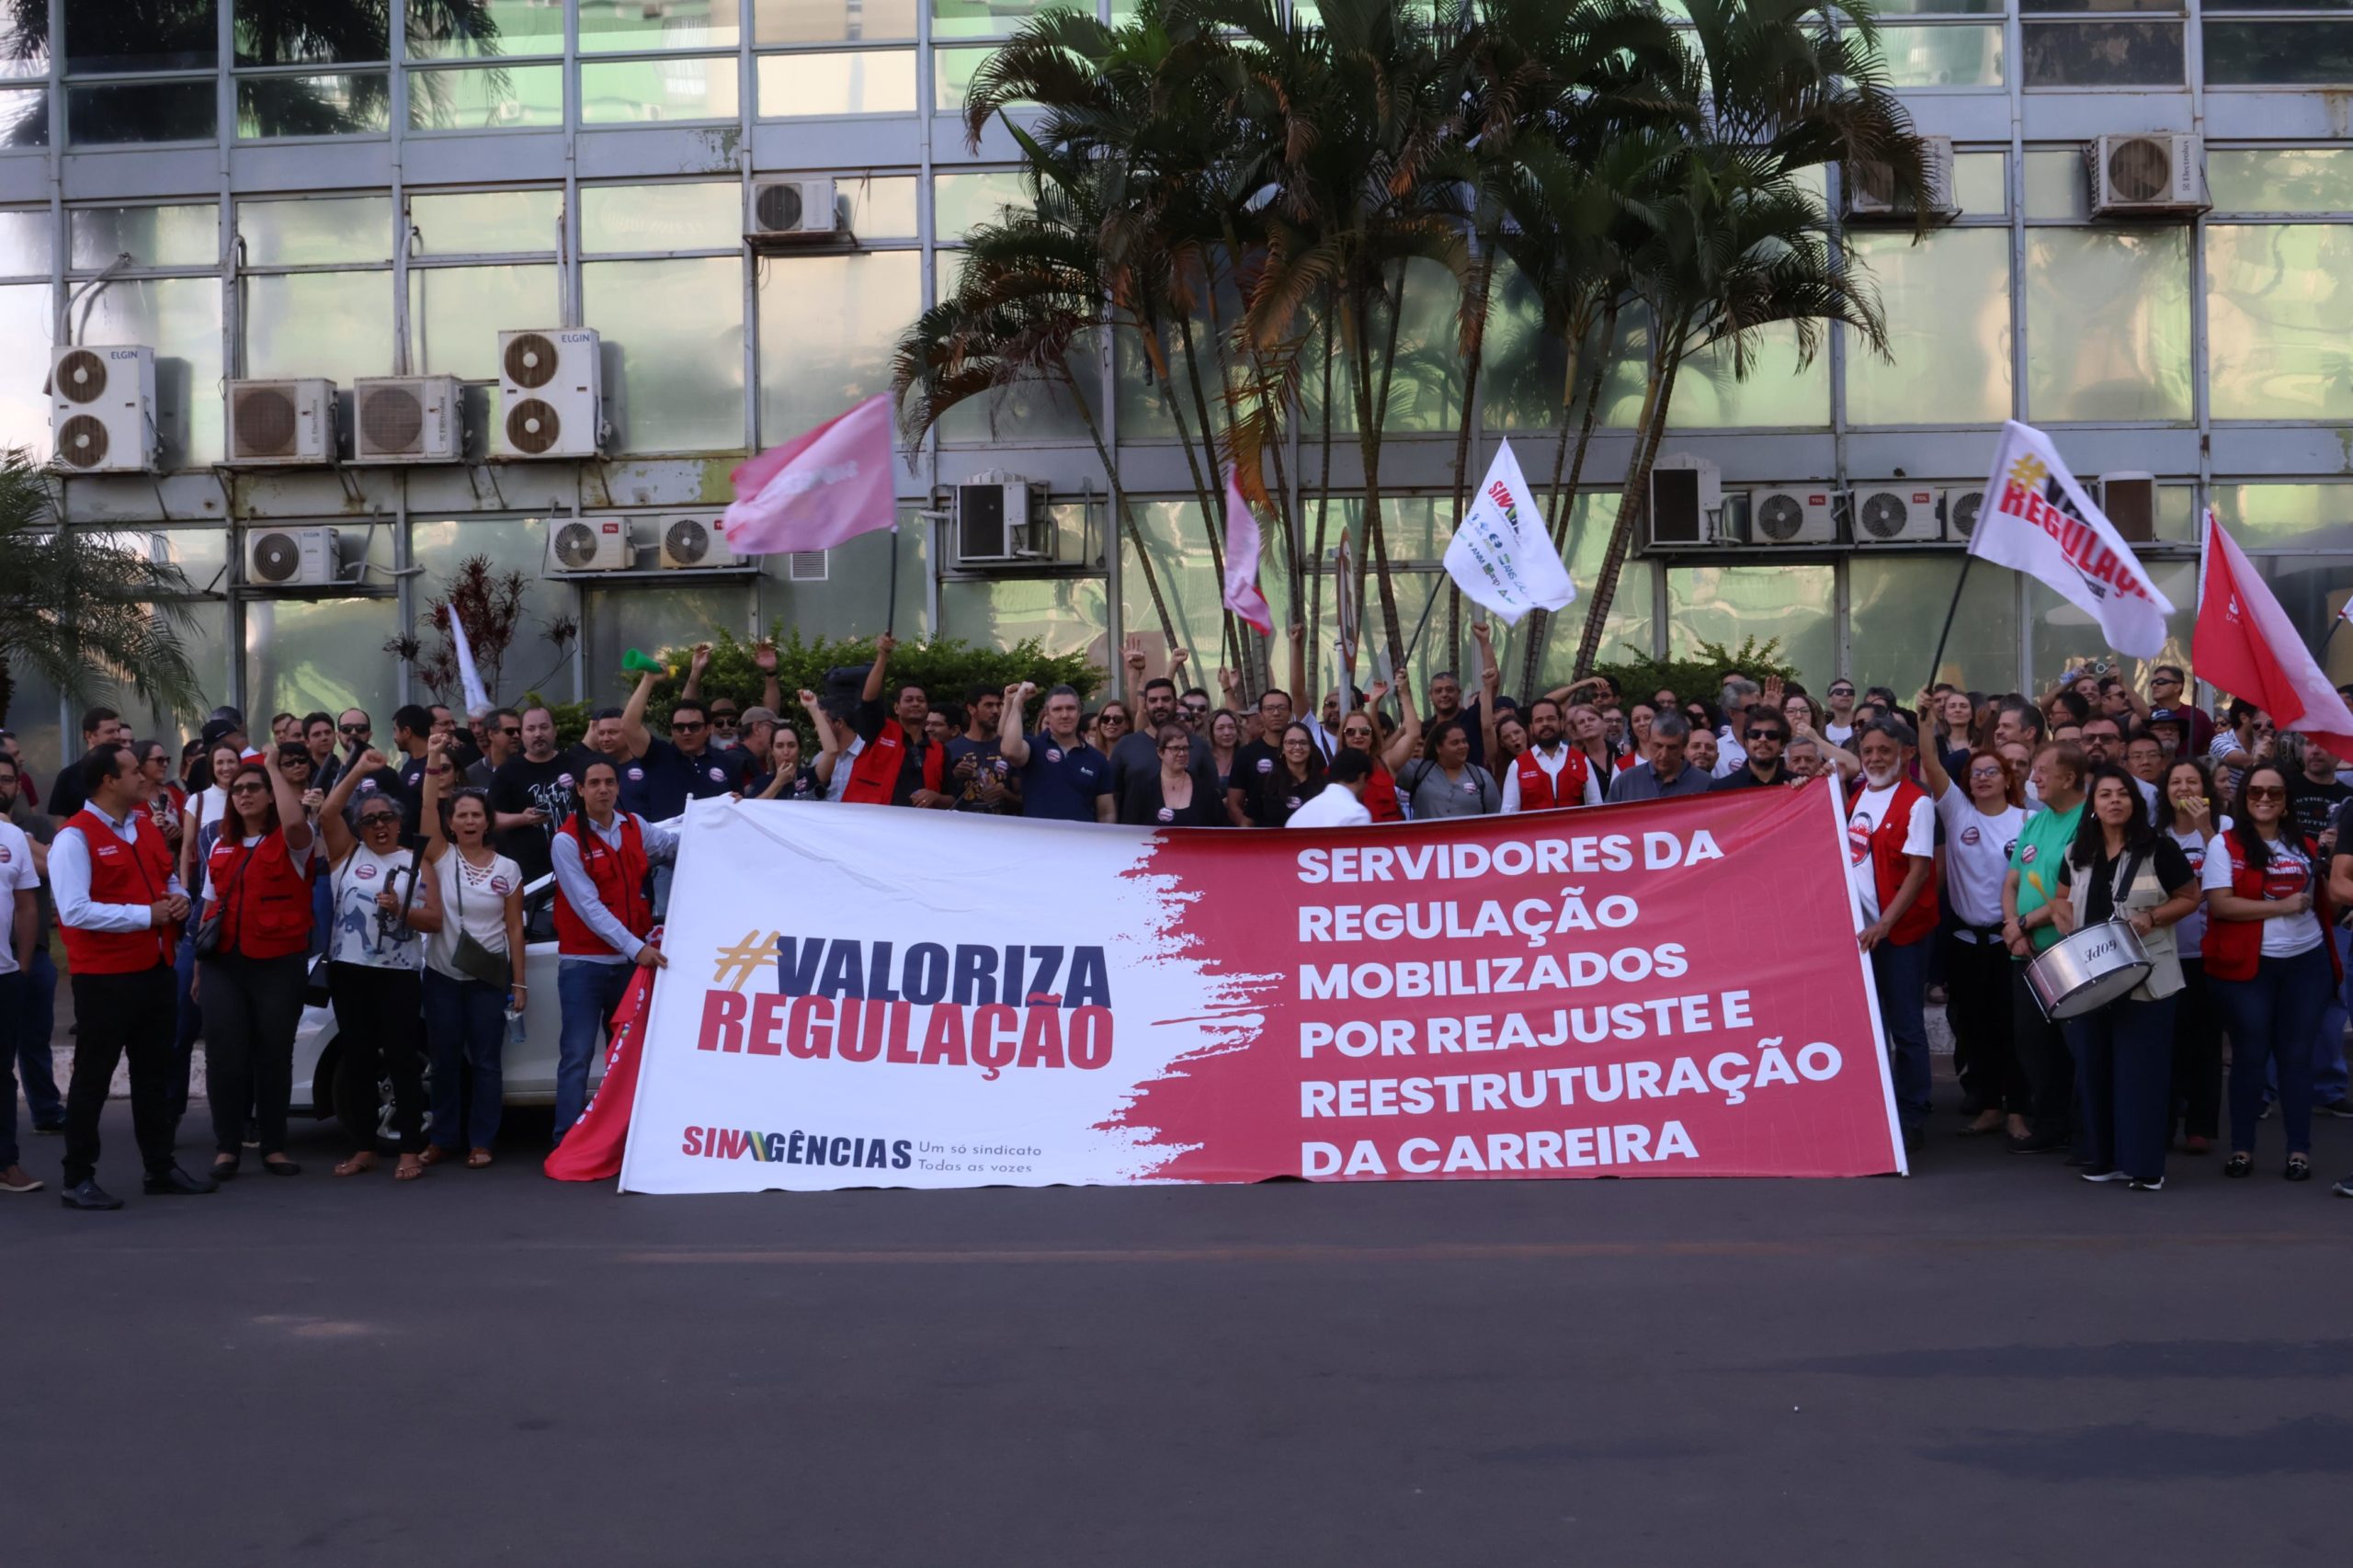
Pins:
<point x="280" y="1165"/>
<point x="2300" y="1167"/>
<point x="2239" y="1165"/>
<point x="434" y="1155"/>
<point x="363" y="1161"/>
<point x="411" y="1168"/>
<point x="477" y="1159"/>
<point x="1987" y="1121"/>
<point x="225" y="1168"/>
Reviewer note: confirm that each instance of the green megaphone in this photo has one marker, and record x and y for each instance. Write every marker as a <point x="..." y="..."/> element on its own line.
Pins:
<point x="637" y="663"/>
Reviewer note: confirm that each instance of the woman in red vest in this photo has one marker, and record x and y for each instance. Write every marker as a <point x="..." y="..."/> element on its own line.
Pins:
<point x="250" y="984"/>
<point x="603" y="920"/>
<point x="1357" y="732"/>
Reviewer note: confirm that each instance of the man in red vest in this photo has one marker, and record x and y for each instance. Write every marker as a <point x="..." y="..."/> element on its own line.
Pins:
<point x="1891" y="851"/>
<point x="1549" y="772"/>
<point x="604" y="912"/>
<point x="897" y="766"/>
<point x="120" y="907"/>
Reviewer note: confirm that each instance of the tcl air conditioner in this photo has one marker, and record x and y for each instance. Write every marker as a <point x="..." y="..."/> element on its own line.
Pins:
<point x="281" y="424"/>
<point x="407" y="419"/>
<point x="590" y="544"/>
<point x="551" y="393"/>
<point x="1869" y="189"/>
<point x="1783" y="515"/>
<point x="2129" y="501"/>
<point x="693" y="543"/>
<point x="102" y="408"/>
<point x="998" y="520"/>
<point x="2152" y="173"/>
<point x="1897" y="513"/>
<point x="1960" y="508"/>
<point x="1687" y="501"/>
<point x="787" y="212"/>
<point x="292" y="558"/>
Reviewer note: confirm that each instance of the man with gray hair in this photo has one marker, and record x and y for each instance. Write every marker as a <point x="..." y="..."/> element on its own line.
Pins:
<point x="1737" y="695"/>
<point x="1666" y="773"/>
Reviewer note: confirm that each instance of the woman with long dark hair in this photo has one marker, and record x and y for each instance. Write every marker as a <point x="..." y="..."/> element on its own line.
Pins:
<point x="2193" y="816"/>
<point x="1297" y="776"/>
<point x="2121" y="869"/>
<point x="251" y="969"/>
<point x="1638" y="735"/>
<point x="1445" y="782"/>
<point x="1981" y="825"/>
<point x="474" y="965"/>
<point x="2268" y="960"/>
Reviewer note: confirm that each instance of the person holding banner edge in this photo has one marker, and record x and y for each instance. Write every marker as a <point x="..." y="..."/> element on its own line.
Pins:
<point x="602" y="857"/>
<point x="1890" y="847"/>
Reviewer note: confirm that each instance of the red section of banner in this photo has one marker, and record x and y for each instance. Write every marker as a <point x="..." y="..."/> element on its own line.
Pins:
<point x="1669" y="989"/>
<point x="592" y="1150"/>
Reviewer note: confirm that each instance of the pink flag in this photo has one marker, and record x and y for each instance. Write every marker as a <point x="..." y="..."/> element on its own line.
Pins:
<point x="1242" y="594"/>
<point x="818" y="489"/>
<point x="2247" y="645"/>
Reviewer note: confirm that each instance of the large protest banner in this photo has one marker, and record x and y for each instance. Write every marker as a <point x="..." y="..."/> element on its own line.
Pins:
<point x="862" y="997"/>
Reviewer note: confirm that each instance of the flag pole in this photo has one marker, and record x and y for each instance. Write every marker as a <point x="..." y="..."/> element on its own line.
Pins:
<point x="890" y="599"/>
<point x="1416" y="641"/>
<point x="1938" y="663"/>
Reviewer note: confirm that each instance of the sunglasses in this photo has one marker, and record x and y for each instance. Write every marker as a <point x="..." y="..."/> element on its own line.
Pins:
<point x="380" y="819"/>
<point x="1196" y="709"/>
<point x="1764" y="732"/>
<point x="1842" y="692"/>
<point x="688" y="726"/>
<point x="724" y="719"/>
<point x="354" y="729"/>
<point x="2266" y="792"/>
<point x="514" y="734"/>
<point x="248" y="787"/>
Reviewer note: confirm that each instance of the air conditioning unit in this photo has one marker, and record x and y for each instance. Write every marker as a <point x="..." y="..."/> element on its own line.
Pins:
<point x="1868" y="189"/>
<point x="1897" y="513"/>
<point x="1687" y="501"/>
<point x="787" y="212"/>
<point x="281" y="424"/>
<point x="1959" y="512"/>
<point x="292" y="558"/>
<point x="999" y="519"/>
<point x="807" y="566"/>
<point x="590" y="544"/>
<point x="407" y="419"/>
<point x="551" y="393"/>
<point x="2155" y="172"/>
<point x="1785" y="515"/>
<point x="102" y="408"/>
<point x="689" y="543"/>
<point x="2129" y="501"/>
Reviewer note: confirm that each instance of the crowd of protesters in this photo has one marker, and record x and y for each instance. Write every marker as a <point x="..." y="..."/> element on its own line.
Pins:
<point x="195" y="894"/>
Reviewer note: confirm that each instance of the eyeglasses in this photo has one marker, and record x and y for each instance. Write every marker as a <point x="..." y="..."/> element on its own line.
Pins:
<point x="1842" y="692"/>
<point x="1196" y="709"/>
<point x="249" y="787"/>
<point x="354" y="729"/>
<point x="724" y="718"/>
<point x="380" y="819"/>
<point x="1988" y="772"/>
<point x="687" y="726"/>
<point x="2266" y="792"/>
<point x="512" y="733"/>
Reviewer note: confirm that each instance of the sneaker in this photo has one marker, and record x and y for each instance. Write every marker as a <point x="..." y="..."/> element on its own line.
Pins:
<point x="2268" y="1107"/>
<point x="2341" y="1109"/>
<point x="2154" y="1183"/>
<point x="14" y="1179"/>
<point x="2343" y="1188"/>
<point x="2106" y="1175"/>
<point x="2032" y="1145"/>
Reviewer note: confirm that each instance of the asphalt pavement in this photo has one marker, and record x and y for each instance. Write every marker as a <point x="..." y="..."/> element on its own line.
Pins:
<point x="1988" y="1362"/>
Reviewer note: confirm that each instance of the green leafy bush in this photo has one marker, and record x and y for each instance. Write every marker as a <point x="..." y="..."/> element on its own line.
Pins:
<point x="1701" y="674"/>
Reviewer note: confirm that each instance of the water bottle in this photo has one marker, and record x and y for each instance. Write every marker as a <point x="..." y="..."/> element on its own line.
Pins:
<point x="514" y="1026"/>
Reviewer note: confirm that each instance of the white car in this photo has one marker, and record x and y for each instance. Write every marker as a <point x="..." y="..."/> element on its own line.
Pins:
<point x="322" y="1087"/>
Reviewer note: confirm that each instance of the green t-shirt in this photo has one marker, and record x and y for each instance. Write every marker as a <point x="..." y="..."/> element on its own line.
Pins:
<point x="2041" y="850"/>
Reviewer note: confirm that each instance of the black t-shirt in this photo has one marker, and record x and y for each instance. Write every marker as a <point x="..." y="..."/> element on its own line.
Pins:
<point x="412" y="781"/>
<point x="1144" y="804"/>
<point x="65" y="795"/>
<point x="521" y="785"/>
<point x="2099" y="900"/>
<point x="658" y="785"/>
<point x="989" y="762"/>
<point x="801" y="785"/>
<point x="2314" y="806"/>
<point x="1255" y="765"/>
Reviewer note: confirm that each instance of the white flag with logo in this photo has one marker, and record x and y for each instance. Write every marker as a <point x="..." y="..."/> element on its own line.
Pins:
<point x="1501" y="555"/>
<point x="2037" y="520"/>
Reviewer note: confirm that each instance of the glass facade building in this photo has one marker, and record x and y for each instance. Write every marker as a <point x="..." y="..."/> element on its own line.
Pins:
<point x="350" y="187"/>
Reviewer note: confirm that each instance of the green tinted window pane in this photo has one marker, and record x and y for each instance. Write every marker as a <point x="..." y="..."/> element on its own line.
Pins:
<point x="457" y="313"/>
<point x="2062" y="6"/>
<point x="673" y="351"/>
<point x="647" y="616"/>
<point x="827" y="327"/>
<point x="839" y="82"/>
<point x="832" y="21"/>
<point x="478" y="223"/>
<point x="2103" y="54"/>
<point x="1939" y="7"/>
<point x="24" y="39"/>
<point x="2058" y="634"/>
<point x="25" y="333"/>
<point x="987" y="18"/>
<point x="2278" y="298"/>
<point x="1777" y="392"/>
<point x="2281" y="516"/>
<point x="308" y="232"/>
<point x="186" y="235"/>
<point x="2280" y="179"/>
<point x="2107" y="315"/>
<point x="2295" y="53"/>
<point x="953" y="71"/>
<point x="633" y="25"/>
<point x="821" y="608"/>
<point x="1943" y="56"/>
<point x="25" y="242"/>
<point x="115" y="35"/>
<point x="180" y="319"/>
<point x="355" y="105"/>
<point x="1948" y="308"/>
<point x="145" y="111"/>
<point x="2057" y="184"/>
<point x="960" y="203"/>
<point x="1981" y="184"/>
<point x="442" y="546"/>
<point x="659" y="217"/>
<point x="1793" y="605"/>
<point x="465" y="29"/>
<point x="1065" y="615"/>
<point x="700" y="86"/>
<point x="23" y="118"/>
<point x="1896" y="606"/>
<point x="303" y="654"/>
<point x="336" y="325"/>
<point x="270" y="32"/>
<point x="490" y="97"/>
<point x="882" y="207"/>
<point x="2313" y="590"/>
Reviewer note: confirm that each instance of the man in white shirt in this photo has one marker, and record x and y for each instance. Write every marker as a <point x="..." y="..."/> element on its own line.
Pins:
<point x="1341" y="801"/>
<point x="19" y="920"/>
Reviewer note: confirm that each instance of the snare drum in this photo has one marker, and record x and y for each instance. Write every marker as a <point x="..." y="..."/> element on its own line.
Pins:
<point x="2088" y="970"/>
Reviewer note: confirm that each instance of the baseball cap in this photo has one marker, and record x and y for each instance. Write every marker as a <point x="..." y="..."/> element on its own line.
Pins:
<point x="216" y="730"/>
<point x="2167" y="716"/>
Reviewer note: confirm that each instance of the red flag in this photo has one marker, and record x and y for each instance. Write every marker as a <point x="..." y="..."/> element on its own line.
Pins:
<point x="592" y="1150"/>
<point x="819" y="488"/>
<point x="2247" y="645"/>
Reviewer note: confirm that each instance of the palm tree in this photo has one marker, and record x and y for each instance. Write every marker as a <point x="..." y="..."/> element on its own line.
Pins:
<point x="77" y="608"/>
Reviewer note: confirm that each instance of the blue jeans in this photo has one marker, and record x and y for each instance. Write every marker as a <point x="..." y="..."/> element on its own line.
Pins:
<point x="2275" y="1016"/>
<point x="465" y="1031"/>
<point x="589" y="993"/>
<point x="1900" y="974"/>
<point x="12" y="1010"/>
<point x="36" y="1026"/>
<point x="191" y="1023"/>
<point x="2328" y="1052"/>
<point x="2124" y="1085"/>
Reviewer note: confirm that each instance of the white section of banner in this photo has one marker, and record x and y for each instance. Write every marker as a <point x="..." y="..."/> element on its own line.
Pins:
<point x="2037" y="520"/>
<point x="1500" y="555"/>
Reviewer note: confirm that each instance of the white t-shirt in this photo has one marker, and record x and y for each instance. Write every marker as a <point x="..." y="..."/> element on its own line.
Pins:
<point x="1333" y="806"/>
<point x="2288" y="873"/>
<point x="363" y="934"/>
<point x="17" y="874"/>
<point x="482" y="900"/>
<point x="1871" y="809"/>
<point x="1838" y="734"/>
<point x="1977" y="856"/>
<point x="2192" y="931"/>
